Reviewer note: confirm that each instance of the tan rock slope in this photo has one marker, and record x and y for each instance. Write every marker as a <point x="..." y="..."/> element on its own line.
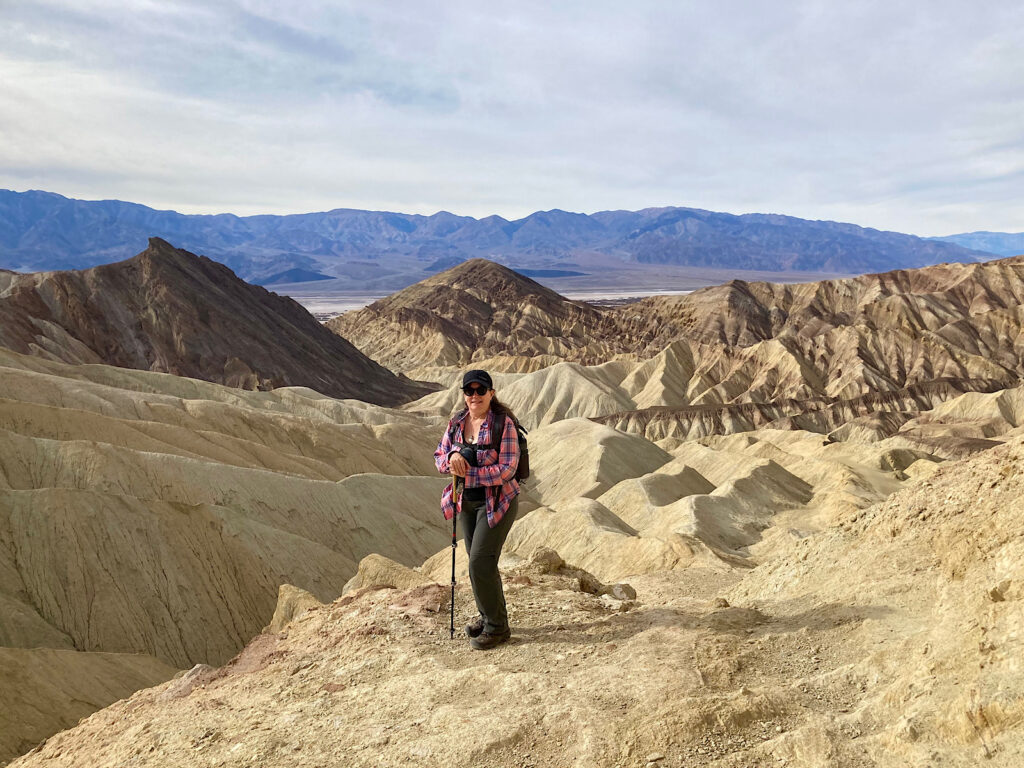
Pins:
<point x="618" y="505"/>
<point x="48" y="689"/>
<point x="890" y="639"/>
<point x="143" y="513"/>
<point x="171" y="311"/>
<point x="174" y="516"/>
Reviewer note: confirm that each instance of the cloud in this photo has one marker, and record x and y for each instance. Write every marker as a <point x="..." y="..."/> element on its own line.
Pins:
<point x="896" y="115"/>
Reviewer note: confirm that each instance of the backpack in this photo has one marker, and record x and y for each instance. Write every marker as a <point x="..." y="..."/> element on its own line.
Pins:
<point x="523" y="467"/>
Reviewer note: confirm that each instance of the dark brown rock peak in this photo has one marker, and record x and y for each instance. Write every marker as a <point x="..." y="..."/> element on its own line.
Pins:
<point x="474" y="310"/>
<point x="172" y="311"/>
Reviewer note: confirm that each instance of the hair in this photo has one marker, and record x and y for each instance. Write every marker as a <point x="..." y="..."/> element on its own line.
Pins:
<point x="500" y="409"/>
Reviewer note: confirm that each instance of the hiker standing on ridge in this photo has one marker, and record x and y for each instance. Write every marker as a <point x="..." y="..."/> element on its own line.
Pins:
<point x="480" y="449"/>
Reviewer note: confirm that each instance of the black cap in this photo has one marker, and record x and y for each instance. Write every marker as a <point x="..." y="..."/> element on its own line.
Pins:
<point x="477" y="377"/>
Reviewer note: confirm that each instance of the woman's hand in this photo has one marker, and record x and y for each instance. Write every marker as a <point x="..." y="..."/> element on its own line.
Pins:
<point x="458" y="465"/>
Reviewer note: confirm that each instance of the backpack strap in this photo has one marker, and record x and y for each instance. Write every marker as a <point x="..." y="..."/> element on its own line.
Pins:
<point x="456" y="420"/>
<point x="495" y="444"/>
<point x="496" y="438"/>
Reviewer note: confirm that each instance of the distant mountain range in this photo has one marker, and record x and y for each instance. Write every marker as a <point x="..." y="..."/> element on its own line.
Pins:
<point x="1001" y="243"/>
<point x="46" y="231"/>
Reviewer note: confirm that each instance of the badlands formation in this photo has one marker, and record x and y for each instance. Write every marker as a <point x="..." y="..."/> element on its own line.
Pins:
<point x="148" y="520"/>
<point x="767" y="525"/>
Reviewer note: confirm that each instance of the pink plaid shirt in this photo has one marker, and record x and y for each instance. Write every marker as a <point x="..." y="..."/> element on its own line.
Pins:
<point x="497" y="468"/>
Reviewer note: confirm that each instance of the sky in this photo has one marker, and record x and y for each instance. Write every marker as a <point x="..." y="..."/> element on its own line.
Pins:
<point x="906" y="116"/>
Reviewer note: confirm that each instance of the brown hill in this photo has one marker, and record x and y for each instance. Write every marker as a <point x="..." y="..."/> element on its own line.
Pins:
<point x="745" y="342"/>
<point x="171" y="311"/>
<point x="474" y="310"/>
<point x="914" y="301"/>
<point x="814" y="414"/>
<point x="823" y="353"/>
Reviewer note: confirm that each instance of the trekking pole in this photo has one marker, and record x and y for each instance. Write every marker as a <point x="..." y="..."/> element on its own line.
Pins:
<point x="455" y="500"/>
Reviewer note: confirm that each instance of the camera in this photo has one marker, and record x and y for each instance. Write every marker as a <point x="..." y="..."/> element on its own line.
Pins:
<point x="467" y="452"/>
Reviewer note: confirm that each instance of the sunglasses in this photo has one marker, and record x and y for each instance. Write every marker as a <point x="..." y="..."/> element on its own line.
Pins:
<point x="474" y="390"/>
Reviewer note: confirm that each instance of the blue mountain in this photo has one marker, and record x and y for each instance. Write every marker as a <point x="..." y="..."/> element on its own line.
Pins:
<point x="1000" y="243"/>
<point x="46" y="231"/>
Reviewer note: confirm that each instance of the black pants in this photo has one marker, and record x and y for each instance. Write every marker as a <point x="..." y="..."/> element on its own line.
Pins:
<point x="484" y="544"/>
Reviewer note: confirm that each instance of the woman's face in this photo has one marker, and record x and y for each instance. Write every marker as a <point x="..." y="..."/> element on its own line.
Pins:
<point x="478" y="399"/>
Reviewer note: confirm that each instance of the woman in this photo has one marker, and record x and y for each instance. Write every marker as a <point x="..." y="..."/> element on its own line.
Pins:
<point x="480" y="449"/>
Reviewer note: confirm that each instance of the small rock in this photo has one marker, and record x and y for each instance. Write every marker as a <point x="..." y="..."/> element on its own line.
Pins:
<point x="655" y="757"/>
<point x="546" y="560"/>
<point x="721" y="602"/>
<point x="997" y="593"/>
<point x="621" y="591"/>
<point x="589" y="584"/>
<point x="907" y="730"/>
<point x="291" y="603"/>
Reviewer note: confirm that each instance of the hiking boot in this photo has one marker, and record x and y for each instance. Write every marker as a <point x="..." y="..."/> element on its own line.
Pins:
<point x="474" y="628"/>
<point x="487" y="640"/>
